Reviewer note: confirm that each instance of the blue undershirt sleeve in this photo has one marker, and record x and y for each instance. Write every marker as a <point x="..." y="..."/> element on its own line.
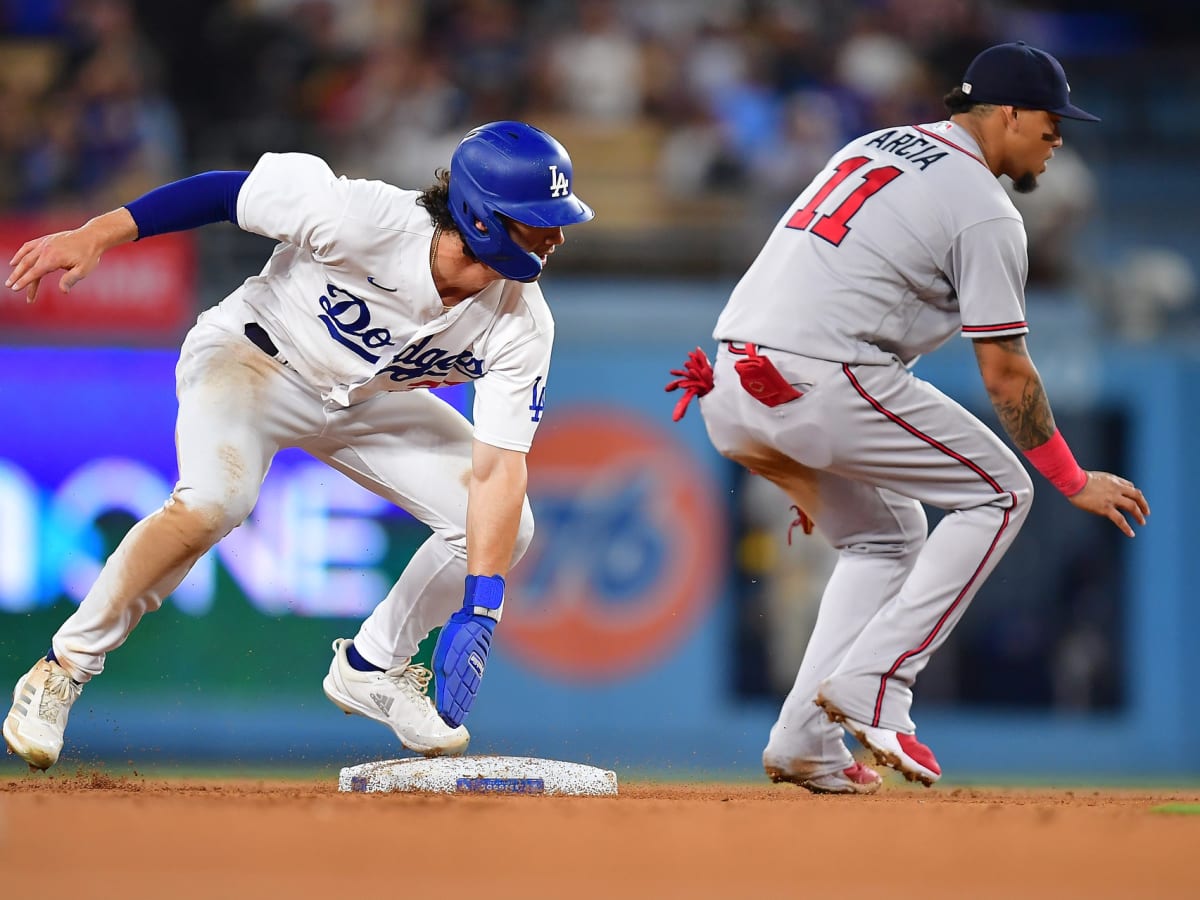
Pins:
<point x="189" y="203"/>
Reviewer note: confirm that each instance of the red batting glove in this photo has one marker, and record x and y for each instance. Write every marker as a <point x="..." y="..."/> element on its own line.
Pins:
<point x="806" y="524"/>
<point x="695" y="379"/>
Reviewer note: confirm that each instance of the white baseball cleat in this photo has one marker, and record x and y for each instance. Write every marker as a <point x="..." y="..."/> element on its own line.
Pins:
<point x="902" y="752"/>
<point x="855" y="779"/>
<point x="398" y="698"/>
<point x="36" y="723"/>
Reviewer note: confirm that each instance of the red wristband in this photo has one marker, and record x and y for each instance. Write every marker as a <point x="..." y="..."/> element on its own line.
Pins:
<point x="1055" y="460"/>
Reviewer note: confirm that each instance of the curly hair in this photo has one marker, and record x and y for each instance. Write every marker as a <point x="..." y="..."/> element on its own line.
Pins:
<point x="435" y="199"/>
<point x="958" y="102"/>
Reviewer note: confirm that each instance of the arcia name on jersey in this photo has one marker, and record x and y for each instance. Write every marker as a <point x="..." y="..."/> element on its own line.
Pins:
<point x="908" y="144"/>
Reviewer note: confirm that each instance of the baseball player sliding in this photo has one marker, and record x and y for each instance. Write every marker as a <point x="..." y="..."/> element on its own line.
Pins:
<point x="372" y="296"/>
<point x="904" y="239"/>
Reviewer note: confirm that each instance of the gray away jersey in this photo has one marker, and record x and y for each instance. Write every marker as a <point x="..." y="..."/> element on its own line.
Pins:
<point x="905" y="238"/>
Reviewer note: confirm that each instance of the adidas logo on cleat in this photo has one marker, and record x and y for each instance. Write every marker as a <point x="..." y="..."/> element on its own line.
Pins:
<point x="398" y="698"/>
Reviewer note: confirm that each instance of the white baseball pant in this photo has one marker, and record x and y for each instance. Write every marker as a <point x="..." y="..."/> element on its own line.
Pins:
<point x="237" y="408"/>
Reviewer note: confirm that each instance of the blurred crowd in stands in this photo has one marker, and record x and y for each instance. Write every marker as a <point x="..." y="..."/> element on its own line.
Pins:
<point x="741" y="95"/>
<point x="684" y="118"/>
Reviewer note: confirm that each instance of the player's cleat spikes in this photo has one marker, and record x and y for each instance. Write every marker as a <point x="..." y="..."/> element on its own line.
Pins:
<point x="399" y="699"/>
<point x="36" y="723"/>
<point x="902" y="752"/>
<point x="855" y="779"/>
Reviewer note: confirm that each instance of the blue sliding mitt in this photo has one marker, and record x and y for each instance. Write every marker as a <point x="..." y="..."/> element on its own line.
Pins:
<point x="462" y="647"/>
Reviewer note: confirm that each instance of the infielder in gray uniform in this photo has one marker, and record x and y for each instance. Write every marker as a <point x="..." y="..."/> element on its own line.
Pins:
<point x="904" y="239"/>
<point x="372" y="296"/>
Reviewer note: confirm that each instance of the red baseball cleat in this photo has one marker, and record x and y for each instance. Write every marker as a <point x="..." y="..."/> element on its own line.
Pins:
<point x="855" y="779"/>
<point x="902" y="752"/>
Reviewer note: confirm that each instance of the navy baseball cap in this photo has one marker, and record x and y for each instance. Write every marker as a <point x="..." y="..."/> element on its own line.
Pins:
<point x="1019" y="75"/>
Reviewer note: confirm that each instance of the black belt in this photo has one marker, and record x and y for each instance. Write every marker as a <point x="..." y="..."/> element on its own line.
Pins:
<point x="259" y="337"/>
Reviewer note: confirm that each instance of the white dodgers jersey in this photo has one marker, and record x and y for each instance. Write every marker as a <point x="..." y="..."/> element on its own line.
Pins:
<point x="349" y="296"/>
<point x="903" y="240"/>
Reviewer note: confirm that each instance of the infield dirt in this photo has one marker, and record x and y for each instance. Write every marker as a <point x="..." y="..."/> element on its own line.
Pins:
<point x="94" y="835"/>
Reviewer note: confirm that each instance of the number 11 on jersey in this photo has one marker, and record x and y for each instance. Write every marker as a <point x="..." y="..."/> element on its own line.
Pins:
<point x="833" y="227"/>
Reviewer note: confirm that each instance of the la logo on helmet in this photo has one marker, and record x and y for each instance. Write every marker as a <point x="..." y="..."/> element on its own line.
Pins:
<point x="559" y="186"/>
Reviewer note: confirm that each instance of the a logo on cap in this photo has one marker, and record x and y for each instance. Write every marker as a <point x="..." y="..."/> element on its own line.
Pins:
<point x="559" y="186"/>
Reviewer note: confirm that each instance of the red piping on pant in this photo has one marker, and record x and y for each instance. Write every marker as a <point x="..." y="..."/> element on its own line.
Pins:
<point x="988" y="479"/>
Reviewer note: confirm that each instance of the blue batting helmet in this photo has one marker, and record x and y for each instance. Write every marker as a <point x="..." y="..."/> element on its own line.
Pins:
<point x="516" y="170"/>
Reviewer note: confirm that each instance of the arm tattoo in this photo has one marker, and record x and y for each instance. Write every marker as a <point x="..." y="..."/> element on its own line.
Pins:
<point x="1027" y="418"/>
<point x="1013" y="345"/>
